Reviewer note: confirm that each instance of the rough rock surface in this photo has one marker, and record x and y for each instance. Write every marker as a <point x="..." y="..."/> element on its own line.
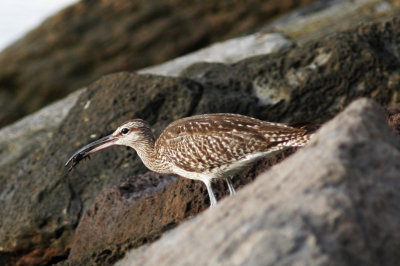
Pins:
<point x="393" y="117"/>
<point x="33" y="131"/>
<point x="335" y="202"/>
<point x="93" y="38"/>
<point x="41" y="209"/>
<point x="316" y="20"/>
<point x="309" y="82"/>
<point x="228" y="51"/>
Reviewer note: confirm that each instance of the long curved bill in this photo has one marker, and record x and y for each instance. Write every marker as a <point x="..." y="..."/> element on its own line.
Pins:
<point x="93" y="147"/>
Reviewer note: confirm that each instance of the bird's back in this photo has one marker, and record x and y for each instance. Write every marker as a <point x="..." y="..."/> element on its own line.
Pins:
<point x="210" y="142"/>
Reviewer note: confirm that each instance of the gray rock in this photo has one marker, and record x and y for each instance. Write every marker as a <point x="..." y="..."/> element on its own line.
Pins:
<point x="335" y="202"/>
<point x="33" y="131"/>
<point x="228" y="51"/>
<point x="313" y="81"/>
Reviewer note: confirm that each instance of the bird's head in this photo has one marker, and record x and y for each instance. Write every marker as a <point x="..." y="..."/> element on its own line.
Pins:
<point x="132" y="133"/>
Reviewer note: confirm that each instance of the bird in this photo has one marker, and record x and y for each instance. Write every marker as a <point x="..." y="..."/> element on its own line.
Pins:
<point x="201" y="147"/>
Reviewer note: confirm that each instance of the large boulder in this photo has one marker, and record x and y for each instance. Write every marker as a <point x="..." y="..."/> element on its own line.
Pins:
<point x="335" y="202"/>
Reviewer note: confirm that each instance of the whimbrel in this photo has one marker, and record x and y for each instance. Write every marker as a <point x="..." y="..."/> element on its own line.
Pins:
<point x="201" y="147"/>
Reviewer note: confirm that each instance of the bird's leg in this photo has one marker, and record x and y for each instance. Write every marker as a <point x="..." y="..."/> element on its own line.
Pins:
<point x="232" y="190"/>
<point x="213" y="199"/>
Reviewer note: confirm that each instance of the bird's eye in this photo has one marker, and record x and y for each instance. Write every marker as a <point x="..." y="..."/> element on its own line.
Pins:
<point x="124" y="130"/>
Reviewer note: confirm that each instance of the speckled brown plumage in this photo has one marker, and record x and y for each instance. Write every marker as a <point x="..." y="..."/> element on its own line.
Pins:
<point x="208" y="142"/>
<point x="203" y="147"/>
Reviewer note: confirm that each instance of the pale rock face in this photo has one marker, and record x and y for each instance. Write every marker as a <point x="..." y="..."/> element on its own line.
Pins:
<point x="229" y="51"/>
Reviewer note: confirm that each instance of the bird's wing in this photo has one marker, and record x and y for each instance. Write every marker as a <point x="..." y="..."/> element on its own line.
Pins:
<point x="201" y="152"/>
<point x="205" y="142"/>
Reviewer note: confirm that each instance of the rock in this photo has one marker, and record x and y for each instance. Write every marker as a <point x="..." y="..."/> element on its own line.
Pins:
<point x="228" y="51"/>
<point x="33" y="131"/>
<point x="118" y="215"/>
<point x="312" y="74"/>
<point x="103" y="37"/>
<point x="313" y="21"/>
<point x="322" y="18"/>
<point x="335" y="202"/>
<point x="393" y="117"/>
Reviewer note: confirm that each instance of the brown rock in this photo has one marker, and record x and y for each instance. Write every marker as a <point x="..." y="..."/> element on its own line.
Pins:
<point x="393" y="117"/>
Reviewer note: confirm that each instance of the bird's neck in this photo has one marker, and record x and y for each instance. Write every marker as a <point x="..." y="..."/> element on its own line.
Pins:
<point x="150" y="157"/>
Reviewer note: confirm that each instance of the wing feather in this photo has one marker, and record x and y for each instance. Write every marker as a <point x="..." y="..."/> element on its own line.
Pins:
<point x="205" y="142"/>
